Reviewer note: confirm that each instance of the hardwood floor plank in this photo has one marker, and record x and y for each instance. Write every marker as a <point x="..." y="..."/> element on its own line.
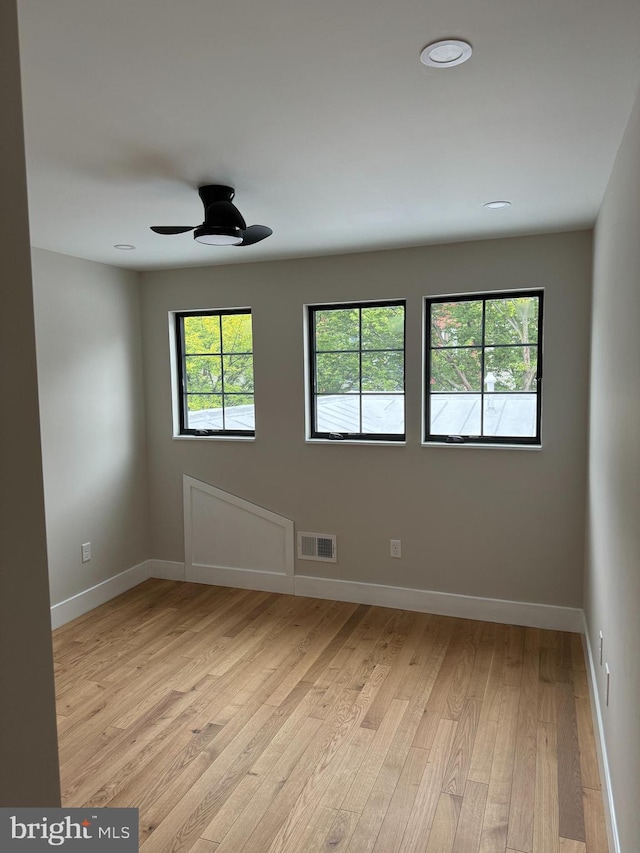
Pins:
<point x="203" y="846"/>
<point x="397" y="815"/>
<point x="564" y="659"/>
<point x="514" y="652"/>
<point x="386" y="782"/>
<point x="589" y="770"/>
<point x="353" y="755"/>
<point x="484" y="744"/>
<point x="483" y="750"/>
<point x="271" y="771"/>
<point x="206" y="797"/>
<point x="496" y="817"/>
<point x="571" y="812"/>
<point x="312" y="835"/>
<point x="428" y="794"/>
<point x="173" y="829"/>
<point x="464" y="648"/>
<point x="426" y="660"/>
<point x="482" y="663"/>
<point x="365" y="778"/>
<point x="342" y="638"/>
<point x="291" y="809"/>
<point x="546" y="702"/>
<point x="545" y="827"/>
<point x="577" y="653"/>
<point x="312" y="648"/>
<point x="290" y="824"/>
<point x="277" y="792"/>
<point x="397" y="677"/>
<point x="548" y="665"/>
<point x="248" y="721"/>
<point x="455" y="777"/>
<point x="568" y="845"/>
<point x="450" y="684"/>
<point x="520" y="833"/>
<point x="492" y="698"/>
<point x="445" y="823"/>
<point x="595" y="827"/>
<point x="469" y="829"/>
<point x="341" y="830"/>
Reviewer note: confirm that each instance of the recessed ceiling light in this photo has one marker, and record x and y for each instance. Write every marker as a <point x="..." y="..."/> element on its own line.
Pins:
<point x="124" y="246"/>
<point x="497" y="205"/>
<point x="445" y="54"/>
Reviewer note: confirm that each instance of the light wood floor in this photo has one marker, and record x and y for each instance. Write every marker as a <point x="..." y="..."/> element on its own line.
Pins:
<point x="250" y="722"/>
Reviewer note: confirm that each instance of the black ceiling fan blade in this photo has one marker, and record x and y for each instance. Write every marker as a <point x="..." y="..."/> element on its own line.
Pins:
<point x="172" y="229"/>
<point x="255" y="233"/>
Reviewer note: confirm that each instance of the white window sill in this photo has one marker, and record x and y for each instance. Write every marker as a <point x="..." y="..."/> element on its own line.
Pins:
<point x="470" y="445"/>
<point x="355" y="442"/>
<point x="213" y="437"/>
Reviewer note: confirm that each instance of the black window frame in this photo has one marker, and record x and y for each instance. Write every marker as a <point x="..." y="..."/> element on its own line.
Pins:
<point x="181" y="356"/>
<point x="484" y="297"/>
<point x="313" y="433"/>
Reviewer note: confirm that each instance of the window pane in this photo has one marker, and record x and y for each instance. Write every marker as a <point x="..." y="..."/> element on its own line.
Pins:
<point x="383" y="371"/>
<point x="383" y="414"/>
<point x="456" y="370"/>
<point x="455" y="414"/>
<point x="239" y="411"/>
<point x="510" y="368"/>
<point x="204" y="373"/>
<point x="337" y="373"/>
<point x="510" y="415"/>
<point x="511" y="321"/>
<point x="238" y="373"/>
<point x="204" y="411"/>
<point x="338" y="413"/>
<point x="456" y="324"/>
<point x="337" y="330"/>
<point x="236" y="333"/>
<point x="383" y="328"/>
<point x="201" y="334"/>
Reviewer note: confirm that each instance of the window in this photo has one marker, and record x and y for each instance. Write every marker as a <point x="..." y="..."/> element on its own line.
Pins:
<point x="483" y="368"/>
<point x="356" y="360"/>
<point x="215" y="372"/>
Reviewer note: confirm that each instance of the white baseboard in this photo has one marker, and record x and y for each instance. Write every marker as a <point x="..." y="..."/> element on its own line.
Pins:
<point x="241" y="578"/>
<point x="167" y="570"/>
<point x="610" y="812"/>
<point x="86" y="600"/>
<point x="524" y="613"/>
<point x="425" y="601"/>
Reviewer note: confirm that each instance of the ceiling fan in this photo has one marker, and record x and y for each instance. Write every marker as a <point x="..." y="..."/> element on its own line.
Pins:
<point x="223" y="223"/>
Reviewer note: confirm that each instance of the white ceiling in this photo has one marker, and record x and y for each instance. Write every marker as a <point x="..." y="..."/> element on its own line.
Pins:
<point x="321" y="116"/>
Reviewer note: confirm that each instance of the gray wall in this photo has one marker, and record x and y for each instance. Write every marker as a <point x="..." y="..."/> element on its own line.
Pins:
<point x="28" y="747"/>
<point x="612" y="583"/>
<point x="499" y="523"/>
<point x="92" y="412"/>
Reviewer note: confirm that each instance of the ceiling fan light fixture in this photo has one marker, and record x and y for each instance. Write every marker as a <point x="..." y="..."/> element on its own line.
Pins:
<point x="215" y="235"/>
<point x="497" y="205"/>
<point x="446" y="53"/>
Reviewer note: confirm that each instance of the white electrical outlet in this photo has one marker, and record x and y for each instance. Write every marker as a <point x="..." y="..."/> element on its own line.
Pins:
<point x="601" y="646"/>
<point x="86" y="552"/>
<point x="395" y="548"/>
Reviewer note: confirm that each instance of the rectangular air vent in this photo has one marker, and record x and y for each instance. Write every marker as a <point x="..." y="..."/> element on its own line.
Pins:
<point x="317" y="546"/>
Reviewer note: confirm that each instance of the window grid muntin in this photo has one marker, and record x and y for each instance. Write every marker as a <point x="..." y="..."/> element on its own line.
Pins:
<point x="429" y="348"/>
<point x="313" y="311"/>
<point x="184" y="393"/>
